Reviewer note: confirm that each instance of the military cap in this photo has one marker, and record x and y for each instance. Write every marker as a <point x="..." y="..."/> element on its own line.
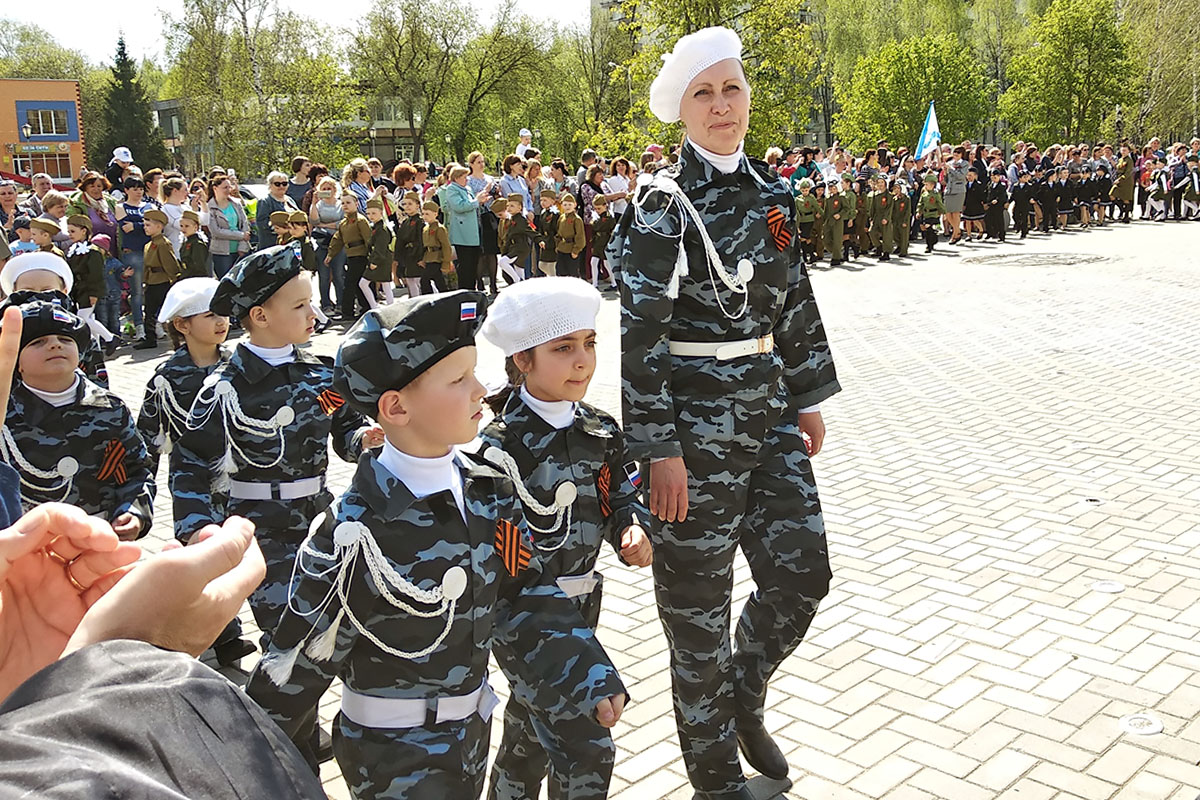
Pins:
<point x="191" y="215"/>
<point x="80" y="221"/>
<point x="187" y="298"/>
<point x="45" y="225"/>
<point x="548" y="194"/>
<point x="930" y="177"/>
<point x="297" y="218"/>
<point x="20" y="222"/>
<point x="599" y="200"/>
<point x="519" y="200"/>
<point x="997" y="171"/>
<point x="391" y="346"/>
<point x="46" y="318"/>
<point x="847" y="177"/>
<point x="28" y="262"/>
<point x="565" y="196"/>
<point x="833" y="183"/>
<point x="972" y="169"/>
<point x="254" y="279"/>
<point x="1086" y="168"/>
<point x="530" y="313"/>
<point x="1102" y="167"/>
<point x="375" y="202"/>
<point x="804" y="183"/>
<point x="902" y="184"/>
<point x="499" y="205"/>
<point x="416" y="198"/>
<point x="429" y="205"/>
<point x="156" y="215"/>
<point x="279" y="217"/>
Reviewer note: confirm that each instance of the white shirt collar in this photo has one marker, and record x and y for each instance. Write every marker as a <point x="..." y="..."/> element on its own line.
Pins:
<point x="558" y="414"/>
<point x="273" y="355"/>
<point x="724" y="164"/>
<point x="424" y="476"/>
<point x="58" y="399"/>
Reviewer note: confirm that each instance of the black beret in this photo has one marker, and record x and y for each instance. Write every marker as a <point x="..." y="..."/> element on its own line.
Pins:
<point x="390" y="346"/>
<point x="46" y="317"/>
<point x="254" y="279"/>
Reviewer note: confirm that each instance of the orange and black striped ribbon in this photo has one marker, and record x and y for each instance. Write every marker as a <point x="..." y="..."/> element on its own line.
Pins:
<point x="777" y="224"/>
<point x="604" y="487"/>
<point x="330" y="401"/>
<point x="113" y="465"/>
<point x="511" y="547"/>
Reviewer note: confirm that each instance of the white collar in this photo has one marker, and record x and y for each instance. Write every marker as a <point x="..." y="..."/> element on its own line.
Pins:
<point x="558" y="414"/>
<point x="424" y="476"/>
<point x="724" y="164"/>
<point x="273" y="355"/>
<point x="58" y="399"/>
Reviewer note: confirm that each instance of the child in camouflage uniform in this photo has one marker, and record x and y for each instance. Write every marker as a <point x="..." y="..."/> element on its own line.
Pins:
<point x="72" y="441"/>
<point x="568" y="462"/>
<point x="420" y="568"/>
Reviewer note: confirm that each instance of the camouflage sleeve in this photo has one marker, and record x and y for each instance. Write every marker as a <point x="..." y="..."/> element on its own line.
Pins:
<point x="647" y="260"/>
<point x="306" y="617"/>
<point x="627" y="506"/>
<point x="150" y="425"/>
<point x="550" y="656"/>
<point x="197" y="453"/>
<point x="348" y="430"/>
<point x="136" y="493"/>
<point x="808" y="369"/>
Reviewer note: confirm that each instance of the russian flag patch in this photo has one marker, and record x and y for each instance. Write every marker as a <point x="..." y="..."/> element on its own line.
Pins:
<point x="634" y="474"/>
<point x="60" y="315"/>
<point x="467" y="312"/>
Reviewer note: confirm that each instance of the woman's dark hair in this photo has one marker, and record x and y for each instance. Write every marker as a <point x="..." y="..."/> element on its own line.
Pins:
<point x="403" y="173"/>
<point x="623" y="160"/>
<point x="216" y="180"/>
<point x="959" y="150"/>
<point x="170" y="185"/>
<point x="594" y="171"/>
<point x="498" y="400"/>
<point x="94" y="177"/>
<point x="510" y="160"/>
<point x="133" y="183"/>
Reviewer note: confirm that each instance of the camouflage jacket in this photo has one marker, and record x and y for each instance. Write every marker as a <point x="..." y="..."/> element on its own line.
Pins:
<point x="735" y="209"/>
<point x="317" y="412"/>
<point x="98" y="432"/>
<point x="591" y="455"/>
<point x="162" y="422"/>
<point x="509" y="604"/>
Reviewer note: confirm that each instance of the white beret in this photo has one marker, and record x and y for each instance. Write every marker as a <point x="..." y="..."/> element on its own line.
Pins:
<point x="692" y="55"/>
<point x="540" y="310"/>
<point x="187" y="298"/>
<point x="27" y="262"/>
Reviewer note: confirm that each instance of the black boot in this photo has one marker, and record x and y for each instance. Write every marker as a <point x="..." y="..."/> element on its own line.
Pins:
<point x="760" y="749"/>
<point x="741" y="794"/>
<point x="231" y="652"/>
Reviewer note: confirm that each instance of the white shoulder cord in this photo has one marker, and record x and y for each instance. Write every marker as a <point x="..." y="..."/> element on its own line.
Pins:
<point x="224" y="395"/>
<point x="737" y="282"/>
<point x="352" y="539"/>
<point x="564" y="498"/>
<point x="64" y="472"/>
<point x="173" y="417"/>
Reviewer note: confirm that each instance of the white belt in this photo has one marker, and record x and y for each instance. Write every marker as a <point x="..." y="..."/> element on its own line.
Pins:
<point x="285" y="490"/>
<point x="723" y="351"/>
<point x="578" y="585"/>
<point x="413" y="712"/>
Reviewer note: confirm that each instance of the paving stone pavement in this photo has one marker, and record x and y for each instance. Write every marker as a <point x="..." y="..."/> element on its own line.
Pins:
<point x="1018" y="422"/>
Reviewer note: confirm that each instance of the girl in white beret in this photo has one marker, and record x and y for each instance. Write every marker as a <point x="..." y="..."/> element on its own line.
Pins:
<point x="724" y="362"/>
<point x="579" y="489"/>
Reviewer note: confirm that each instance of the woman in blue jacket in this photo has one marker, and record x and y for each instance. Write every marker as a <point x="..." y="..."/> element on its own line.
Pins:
<point x="461" y="211"/>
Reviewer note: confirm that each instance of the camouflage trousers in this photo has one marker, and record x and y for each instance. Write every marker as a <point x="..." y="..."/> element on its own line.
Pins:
<point x="441" y="761"/>
<point x="751" y="486"/>
<point x="279" y="529"/>
<point x="576" y="751"/>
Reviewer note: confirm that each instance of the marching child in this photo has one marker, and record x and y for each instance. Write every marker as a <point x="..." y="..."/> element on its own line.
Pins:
<point x="198" y="336"/>
<point x="1022" y="200"/>
<point x="547" y="228"/>
<point x="436" y="260"/>
<point x="1065" y="197"/>
<point x="901" y="216"/>
<point x="516" y="240"/>
<point x="422" y="567"/>
<point x="409" y="247"/>
<point x="930" y="209"/>
<point x="379" y="255"/>
<point x="569" y="238"/>
<point x="489" y="241"/>
<point x="1191" y="192"/>
<point x="1085" y="196"/>
<point x="71" y="440"/>
<point x="1104" y="186"/>
<point x="818" y="245"/>
<point x="193" y="253"/>
<point x="42" y="232"/>
<point x="569" y="465"/>
<point x="807" y="209"/>
<point x="354" y="235"/>
<point x="603" y="224"/>
<point x="879" y="211"/>
<point x="996" y="202"/>
<point x="1160" y="190"/>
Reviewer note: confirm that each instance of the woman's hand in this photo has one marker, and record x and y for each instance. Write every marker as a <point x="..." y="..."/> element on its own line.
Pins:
<point x="181" y="598"/>
<point x="56" y="562"/>
<point x="669" y="489"/>
<point x="127" y="227"/>
<point x="813" y="429"/>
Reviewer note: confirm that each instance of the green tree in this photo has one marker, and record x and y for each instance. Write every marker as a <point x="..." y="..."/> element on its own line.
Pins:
<point x="891" y="90"/>
<point x="1072" y="72"/>
<point x="129" y="116"/>
<point x="1167" y="57"/>
<point x="996" y="30"/>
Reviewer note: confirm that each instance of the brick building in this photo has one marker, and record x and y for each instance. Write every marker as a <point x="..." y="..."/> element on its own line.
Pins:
<point x="40" y="129"/>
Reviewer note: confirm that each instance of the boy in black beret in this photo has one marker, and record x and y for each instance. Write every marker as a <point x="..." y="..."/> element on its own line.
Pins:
<point x="460" y="577"/>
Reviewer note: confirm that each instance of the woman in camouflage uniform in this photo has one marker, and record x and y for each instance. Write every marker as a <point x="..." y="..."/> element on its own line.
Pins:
<point x="724" y="364"/>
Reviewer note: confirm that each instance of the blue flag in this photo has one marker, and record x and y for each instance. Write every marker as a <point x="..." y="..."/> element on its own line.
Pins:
<point x="931" y="134"/>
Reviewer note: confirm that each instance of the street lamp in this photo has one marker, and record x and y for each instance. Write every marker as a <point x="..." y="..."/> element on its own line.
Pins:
<point x="498" y="156"/>
<point x="371" y="132"/>
<point x="27" y="130"/>
<point x="447" y="137"/>
<point x="212" y="147"/>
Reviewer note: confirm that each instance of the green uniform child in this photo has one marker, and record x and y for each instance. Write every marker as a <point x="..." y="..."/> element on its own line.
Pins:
<point x="901" y="217"/>
<point x="879" y="203"/>
<point x="807" y="209"/>
<point x="838" y="212"/>
<point x="930" y="210"/>
<point x="193" y="253"/>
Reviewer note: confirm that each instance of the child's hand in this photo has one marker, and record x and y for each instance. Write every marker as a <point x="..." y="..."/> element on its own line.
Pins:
<point x="635" y="546"/>
<point x="373" y="438"/>
<point x="127" y="527"/>
<point x="328" y="261"/>
<point x="608" y="710"/>
<point x="128" y="273"/>
<point x="127" y="227"/>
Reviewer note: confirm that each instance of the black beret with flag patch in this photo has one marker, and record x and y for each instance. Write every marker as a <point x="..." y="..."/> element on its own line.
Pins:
<point x="254" y="279"/>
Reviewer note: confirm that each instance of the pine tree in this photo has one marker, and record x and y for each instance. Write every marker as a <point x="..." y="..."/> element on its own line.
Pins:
<point x="129" y="119"/>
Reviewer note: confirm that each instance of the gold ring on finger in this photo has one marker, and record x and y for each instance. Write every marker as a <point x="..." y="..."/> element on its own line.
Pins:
<point x="78" y="586"/>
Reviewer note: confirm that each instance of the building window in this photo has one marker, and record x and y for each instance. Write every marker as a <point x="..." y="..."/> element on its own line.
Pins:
<point x="47" y="121"/>
<point x="57" y="166"/>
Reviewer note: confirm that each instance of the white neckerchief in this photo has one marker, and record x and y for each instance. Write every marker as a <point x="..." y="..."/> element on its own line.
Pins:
<point x="274" y="355"/>
<point x="58" y="399"/>
<point x="425" y="476"/>
<point x="558" y="414"/>
<point x="724" y="164"/>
